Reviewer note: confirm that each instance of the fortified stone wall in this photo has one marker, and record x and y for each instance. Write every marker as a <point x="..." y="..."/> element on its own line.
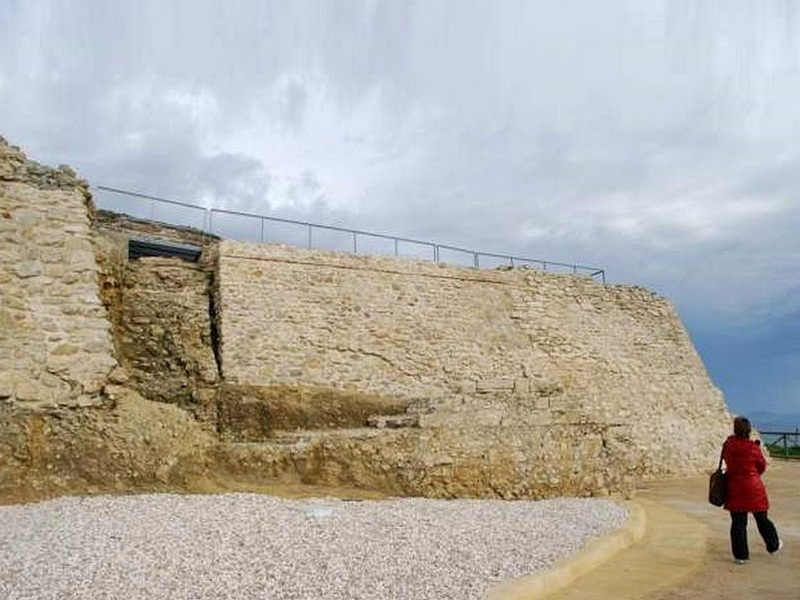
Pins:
<point x="488" y="358"/>
<point x="55" y="343"/>
<point x="399" y="375"/>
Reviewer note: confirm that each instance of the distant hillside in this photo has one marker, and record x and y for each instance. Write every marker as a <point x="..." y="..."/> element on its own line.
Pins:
<point x="768" y="421"/>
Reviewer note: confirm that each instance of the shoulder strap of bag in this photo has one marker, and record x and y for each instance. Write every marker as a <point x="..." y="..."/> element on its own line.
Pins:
<point x="721" y="452"/>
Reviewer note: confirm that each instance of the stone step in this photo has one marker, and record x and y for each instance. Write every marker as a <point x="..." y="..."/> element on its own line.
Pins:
<point x="305" y="436"/>
<point x="393" y="421"/>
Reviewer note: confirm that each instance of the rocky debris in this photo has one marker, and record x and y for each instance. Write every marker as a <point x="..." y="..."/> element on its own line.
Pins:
<point x="165" y="334"/>
<point x="127" y="444"/>
<point x="15" y="166"/>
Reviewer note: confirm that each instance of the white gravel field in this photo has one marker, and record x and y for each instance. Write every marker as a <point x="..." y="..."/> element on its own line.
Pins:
<point x="249" y="546"/>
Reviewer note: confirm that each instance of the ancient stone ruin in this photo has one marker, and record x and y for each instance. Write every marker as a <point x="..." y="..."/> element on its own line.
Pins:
<point x="232" y="364"/>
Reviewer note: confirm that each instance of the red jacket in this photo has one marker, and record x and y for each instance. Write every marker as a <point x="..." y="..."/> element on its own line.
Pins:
<point x="744" y="462"/>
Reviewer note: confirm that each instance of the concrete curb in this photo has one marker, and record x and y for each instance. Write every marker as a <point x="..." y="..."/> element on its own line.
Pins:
<point x="567" y="570"/>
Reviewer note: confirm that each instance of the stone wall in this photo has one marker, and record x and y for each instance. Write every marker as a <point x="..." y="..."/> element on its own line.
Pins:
<point x="497" y="361"/>
<point x="398" y="375"/>
<point x="66" y="425"/>
<point x="55" y="343"/>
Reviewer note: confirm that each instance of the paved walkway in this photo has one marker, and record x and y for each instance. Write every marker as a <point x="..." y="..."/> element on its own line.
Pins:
<point x="676" y="547"/>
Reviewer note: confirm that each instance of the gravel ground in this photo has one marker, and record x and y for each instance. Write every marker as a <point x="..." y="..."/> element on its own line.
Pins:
<point x="248" y="546"/>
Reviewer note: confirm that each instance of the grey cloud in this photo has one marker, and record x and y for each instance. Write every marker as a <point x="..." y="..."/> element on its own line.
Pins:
<point x="293" y="105"/>
<point x="779" y="178"/>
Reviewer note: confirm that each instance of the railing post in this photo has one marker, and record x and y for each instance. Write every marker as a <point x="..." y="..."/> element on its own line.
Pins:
<point x="210" y="220"/>
<point x="309" y="237"/>
<point x="476" y="260"/>
<point x="355" y="243"/>
<point x="262" y="230"/>
<point x="395" y="246"/>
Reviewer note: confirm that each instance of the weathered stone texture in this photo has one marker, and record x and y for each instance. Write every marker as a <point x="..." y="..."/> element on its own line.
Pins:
<point x="129" y="444"/>
<point x="166" y="335"/>
<point x="511" y="350"/>
<point x="254" y="413"/>
<point x="398" y="375"/>
<point x="159" y="308"/>
<point x="55" y="344"/>
<point x="445" y="462"/>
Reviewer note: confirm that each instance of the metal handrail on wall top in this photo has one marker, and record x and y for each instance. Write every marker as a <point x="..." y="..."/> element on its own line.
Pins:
<point x="435" y="249"/>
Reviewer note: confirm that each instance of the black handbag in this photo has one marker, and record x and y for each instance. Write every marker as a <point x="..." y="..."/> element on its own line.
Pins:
<point x="718" y="484"/>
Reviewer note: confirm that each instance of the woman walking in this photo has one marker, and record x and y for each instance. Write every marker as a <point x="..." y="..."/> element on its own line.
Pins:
<point x="744" y="461"/>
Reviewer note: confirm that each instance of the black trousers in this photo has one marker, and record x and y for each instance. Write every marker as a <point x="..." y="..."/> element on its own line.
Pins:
<point x="739" y="533"/>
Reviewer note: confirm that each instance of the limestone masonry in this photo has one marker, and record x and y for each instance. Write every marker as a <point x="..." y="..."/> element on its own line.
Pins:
<point x="55" y="341"/>
<point x="263" y="362"/>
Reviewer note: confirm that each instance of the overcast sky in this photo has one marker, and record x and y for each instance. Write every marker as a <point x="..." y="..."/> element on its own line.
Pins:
<point x="658" y="140"/>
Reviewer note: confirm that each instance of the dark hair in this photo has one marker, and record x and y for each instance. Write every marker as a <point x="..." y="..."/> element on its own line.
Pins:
<point x="741" y="427"/>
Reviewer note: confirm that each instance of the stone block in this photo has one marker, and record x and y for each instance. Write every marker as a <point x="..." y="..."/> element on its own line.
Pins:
<point x="118" y="375"/>
<point x="522" y="385"/>
<point x="64" y="350"/>
<point x="6" y="384"/>
<point x="467" y="386"/>
<point x="30" y="390"/>
<point x="495" y="385"/>
<point x="539" y="403"/>
<point x="28" y="268"/>
<point x="394" y="421"/>
<point x="87" y="401"/>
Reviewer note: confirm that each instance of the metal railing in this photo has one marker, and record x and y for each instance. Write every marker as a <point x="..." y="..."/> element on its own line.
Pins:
<point x="252" y="227"/>
<point x="783" y="444"/>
